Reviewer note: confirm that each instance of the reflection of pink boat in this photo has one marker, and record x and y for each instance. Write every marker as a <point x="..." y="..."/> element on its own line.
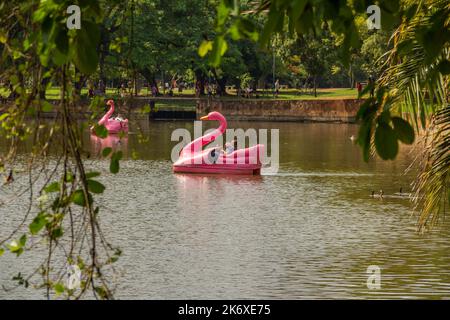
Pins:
<point x="195" y="160"/>
<point x="113" y="141"/>
<point x="113" y="125"/>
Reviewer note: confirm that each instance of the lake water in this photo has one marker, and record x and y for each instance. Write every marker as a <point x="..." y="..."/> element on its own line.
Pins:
<point x="309" y="231"/>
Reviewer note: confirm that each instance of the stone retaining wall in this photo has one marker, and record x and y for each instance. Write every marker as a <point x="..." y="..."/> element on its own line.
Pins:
<point x="343" y="110"/>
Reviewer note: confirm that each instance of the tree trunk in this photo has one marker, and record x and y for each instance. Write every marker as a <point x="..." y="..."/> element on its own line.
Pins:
<point x="135" y="81"/>
<point x="221" y="84"/>
<point x="150" y="77"/>
<point x="199" y="83"/>
<point x="103" y="49"/>
<point x="221" y="87"/>
<point x="315" y="86"/>
<point x="350" y="75"/>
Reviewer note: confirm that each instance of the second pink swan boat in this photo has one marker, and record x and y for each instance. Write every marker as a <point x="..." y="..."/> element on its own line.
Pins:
<point x="113" y="125"/>
<point x="193" y="159"/>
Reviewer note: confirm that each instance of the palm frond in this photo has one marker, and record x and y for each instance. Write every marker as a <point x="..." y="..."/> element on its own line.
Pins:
<point x="432" y="188"/>
<point x="418" y="88"/>
<point x="419" y="91"/>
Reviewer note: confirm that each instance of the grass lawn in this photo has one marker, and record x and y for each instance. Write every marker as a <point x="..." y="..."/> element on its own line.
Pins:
<point x="326" y="93"/>
<point x="286" y="94"/>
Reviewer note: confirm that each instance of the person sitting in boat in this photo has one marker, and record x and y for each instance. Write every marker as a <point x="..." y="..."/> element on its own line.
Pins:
<point x="230" y="147"/>
<point x="120" y="118"/>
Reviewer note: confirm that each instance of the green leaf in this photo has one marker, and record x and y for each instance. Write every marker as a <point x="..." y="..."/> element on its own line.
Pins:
<point x="444" y="67"/>
<point x="204" y="48"/>
<point x="404" y="131"/>
<point x="46" y="106"/>
<point x="95" y="186"/>
<point x="17" y="246"/>
<point x="234" y="31"/>
<point x="4" y="116"/>
<point x="52" y="187"/>
<point x="93" y="174"/>
<point x="38" y="223"/>
<point x="58" y="58"/>
<point x="410" y="11"/>
<point x="386" y="142"/>
<point x="223" y="11"/>
<point x="3" y="37"/>
<point x="364" y="136"/>
<point x="297" y="8"/>
<point x="85" y="47"/>
<point x="23" y="240"/>
<point x="59" y="288"/>
<point x="274" y="23"/>
<point x="106" y="152"/>
<point x="220" y="46"/>
<point x="62" y="41"/>
<point x="101" y="131"/>
<point x="57" y="233"/>
<point x="14" y="79"/>
<point x="114" y="164"/>
<point x="15" y="249"/>
<point x="101" y="292"/>
<point x="79" y="199"/>
<point x="2" y="251"/>
<point x="247" y="29"/>
<point x="69" y="177"/>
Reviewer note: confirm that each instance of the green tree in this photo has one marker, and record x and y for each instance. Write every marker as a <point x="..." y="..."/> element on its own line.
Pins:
<point x="314" y="54"/>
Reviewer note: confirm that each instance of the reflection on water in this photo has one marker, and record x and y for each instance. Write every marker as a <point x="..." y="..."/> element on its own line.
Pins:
<point x="309" y="231"/>
<point x="113" y="141"/>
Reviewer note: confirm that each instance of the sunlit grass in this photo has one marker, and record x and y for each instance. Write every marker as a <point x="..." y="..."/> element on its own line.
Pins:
<point x="286" y="94"/>
<point x="294" y="94"/>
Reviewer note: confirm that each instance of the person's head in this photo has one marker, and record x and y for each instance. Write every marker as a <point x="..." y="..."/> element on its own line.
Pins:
<point x="234" y="144"/>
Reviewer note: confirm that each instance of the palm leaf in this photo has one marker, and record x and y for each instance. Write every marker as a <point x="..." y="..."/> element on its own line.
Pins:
<point x="432" y="187"/>
<point x="418" y="91"/>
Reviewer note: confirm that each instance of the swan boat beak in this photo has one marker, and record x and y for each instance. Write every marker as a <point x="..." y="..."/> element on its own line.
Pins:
<point x="204" y="118"/>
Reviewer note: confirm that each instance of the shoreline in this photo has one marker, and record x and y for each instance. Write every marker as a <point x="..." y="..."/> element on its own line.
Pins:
<point x="177" y="108"/>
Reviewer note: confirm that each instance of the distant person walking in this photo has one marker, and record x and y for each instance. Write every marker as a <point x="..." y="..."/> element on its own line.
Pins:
<point x="197" y="88"/>
<point x="210" y="90"/>
<point x="101" y="87"/>
<point x="123" y="90"/>
<point x="277" y="88"/>
<point x="154" y="90"/>
<point x="359" y="88"/>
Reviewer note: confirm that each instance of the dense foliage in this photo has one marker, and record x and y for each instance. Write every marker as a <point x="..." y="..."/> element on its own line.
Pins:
<point x="155" y="40"/>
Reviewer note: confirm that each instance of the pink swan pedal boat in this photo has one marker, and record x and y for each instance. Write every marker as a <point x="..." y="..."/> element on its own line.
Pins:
<point x="113" y="125"/>
<point x="193" y="159"/>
